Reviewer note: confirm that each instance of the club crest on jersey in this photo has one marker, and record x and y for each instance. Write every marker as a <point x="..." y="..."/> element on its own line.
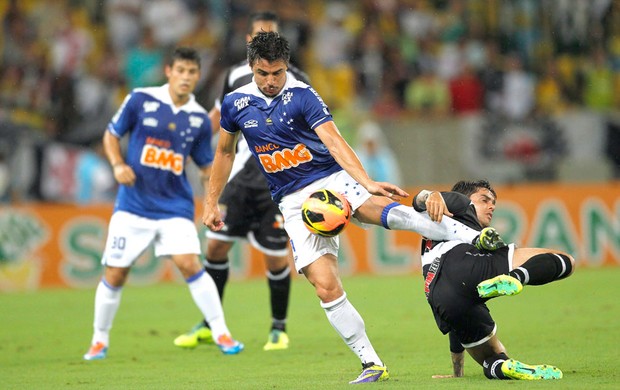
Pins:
<point x="161" y="158"/>
<point x="150" y="106"/>
<point x="286" y="98"/>
<point x="195" y="121"/>
<point x="285" y="158"/>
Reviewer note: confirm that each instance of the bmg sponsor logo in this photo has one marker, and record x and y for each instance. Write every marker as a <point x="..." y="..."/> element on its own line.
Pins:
<point x="164" y="159"/>
<point x="285" y="158"/>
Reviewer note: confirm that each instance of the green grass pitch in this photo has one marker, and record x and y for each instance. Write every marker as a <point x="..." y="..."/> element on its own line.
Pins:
<point x="574" y="324"/>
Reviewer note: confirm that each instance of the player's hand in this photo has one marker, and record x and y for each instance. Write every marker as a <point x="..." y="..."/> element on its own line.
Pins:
<point x="386" y="189"/>
<point x="212" y="218"/>
<point x="436" y="206"/>
<point x="124" y="174"/>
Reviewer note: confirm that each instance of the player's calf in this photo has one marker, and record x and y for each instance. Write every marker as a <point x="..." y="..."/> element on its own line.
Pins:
<point x="544" y="268"/>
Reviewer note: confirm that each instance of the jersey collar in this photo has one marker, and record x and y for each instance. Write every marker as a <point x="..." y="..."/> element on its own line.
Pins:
<point x="166" y="98"/>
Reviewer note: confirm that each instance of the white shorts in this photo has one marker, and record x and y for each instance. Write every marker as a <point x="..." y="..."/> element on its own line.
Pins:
<point x="308" y="247"/>
<point x="129" y="235"/>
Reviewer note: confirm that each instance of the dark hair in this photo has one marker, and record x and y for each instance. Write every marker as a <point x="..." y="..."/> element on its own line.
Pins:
<point x="468" y="188"/>
<point x="268" y="46"/>
<point x="265" y="16"/>
<point x="184" y="54"/>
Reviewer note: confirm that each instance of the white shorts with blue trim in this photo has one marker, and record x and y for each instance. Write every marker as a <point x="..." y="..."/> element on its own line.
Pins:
<point x="129" y="235"/>
<point x="308" y="247"/>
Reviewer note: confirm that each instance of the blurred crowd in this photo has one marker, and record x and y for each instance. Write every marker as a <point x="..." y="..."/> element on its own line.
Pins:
<point x="66" y="65"/>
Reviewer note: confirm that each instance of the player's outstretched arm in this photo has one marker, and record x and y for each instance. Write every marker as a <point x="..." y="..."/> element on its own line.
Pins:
<point x="220" y="171"/>
<point x="348" y="160"/>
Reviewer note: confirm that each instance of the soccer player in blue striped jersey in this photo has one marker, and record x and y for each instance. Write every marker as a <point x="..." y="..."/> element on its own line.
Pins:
<point x="250" y="214"/>
<point x="292" y="135"/>
<point x="154" y="204"/>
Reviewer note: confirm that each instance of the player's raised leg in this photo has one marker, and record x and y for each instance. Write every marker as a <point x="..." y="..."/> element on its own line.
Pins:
<point x="391" y="215"/>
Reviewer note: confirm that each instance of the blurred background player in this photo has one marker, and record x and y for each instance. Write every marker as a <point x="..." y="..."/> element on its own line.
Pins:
<point x="249" y="212"/>
<point x="459" y="279"/>
<point x="155" y="204"/>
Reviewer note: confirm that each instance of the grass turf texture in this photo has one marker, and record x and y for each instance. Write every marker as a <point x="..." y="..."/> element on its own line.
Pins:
<point x="574" y="324"/>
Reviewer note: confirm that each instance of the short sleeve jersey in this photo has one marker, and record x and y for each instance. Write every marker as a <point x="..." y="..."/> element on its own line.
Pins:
<point x="161" y="138"/>
<point x="280" y="133"/>
<point x="244" y="170"/>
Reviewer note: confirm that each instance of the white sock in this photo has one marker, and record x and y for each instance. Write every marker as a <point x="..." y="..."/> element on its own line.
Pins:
<point x="406" y="218"/>
<point x="206" y="297"/>
<point x="350" y="326"/>
<point x="107" y="301"/>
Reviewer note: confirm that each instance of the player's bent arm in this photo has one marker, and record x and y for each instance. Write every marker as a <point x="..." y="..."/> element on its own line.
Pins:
<point x="419" y="201"/>
<point x="220" y="171"/>
<point x="348" y="160"/>
<point x="112" y="148"/>
<point x="458" y="360"/>
<point x="457" y="352"/>
<point x="431" y="202"/>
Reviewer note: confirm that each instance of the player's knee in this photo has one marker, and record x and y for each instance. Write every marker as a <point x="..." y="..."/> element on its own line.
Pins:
<point x="115" y="276"/>
<point x="276" y="264"/>
<point x="188" y="265"/>
<point x="328" y="292"/>
<point x="217" y="250"/>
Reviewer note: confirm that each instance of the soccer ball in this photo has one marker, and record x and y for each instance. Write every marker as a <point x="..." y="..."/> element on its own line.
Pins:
<point x="326" y="213"/>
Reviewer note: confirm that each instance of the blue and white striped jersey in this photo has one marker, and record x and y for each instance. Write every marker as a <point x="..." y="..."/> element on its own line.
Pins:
<point x="280" y="133"/>
<point x="161" y="138"/>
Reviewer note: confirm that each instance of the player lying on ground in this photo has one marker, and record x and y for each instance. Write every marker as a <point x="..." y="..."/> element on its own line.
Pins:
<point x="460" y="278"/>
